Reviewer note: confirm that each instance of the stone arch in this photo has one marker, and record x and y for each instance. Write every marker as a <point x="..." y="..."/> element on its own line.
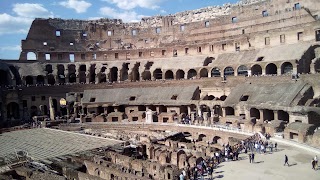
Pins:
<point x="271" y="69"/>
<point x="192" y="74"/>
<point x="29" y="80"/>
<point x="223" y="98"/>
<point x="113" y="76"/>
<point x="217" y="110"/>
<point x="40" y="79"/>
<point x="60" y="72"/>
<point x="13" y="110"/>
<point x="72" y="73"/>
<point x="286" y="68"/>
<point x="215" y="72"/>
<point x="201" y="137"/>
<point x="256" y="70"/>
<point x="211" y="97"/>
<point x="180" y="74"/>
<point x="49" y="68"/>
<point x="204" y="72"/>
<point x="229" y="111"/>
<point x="51" y="79"/>
<point x="254" y="112"/>
<point x="135" y="75"/>
<point x="217" y="140"/>
<point x="124" y="72"/>
<point x="242" y="70"/>
<point x="82" y="73"/>
<point x="282" y="115"/>
<point x="146" y="75"/>
<point x="31" y="56"/>
<point x="157" y="73"/>
<point x="228" y="71"/>
<point x="33" y="111"/>
<point x="169" y="75"/>
<point x="4" y="78"/>
<point x="268" y="115"/>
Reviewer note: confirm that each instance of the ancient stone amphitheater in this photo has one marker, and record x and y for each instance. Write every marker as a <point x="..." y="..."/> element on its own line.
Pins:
<point x="245" y="68"/>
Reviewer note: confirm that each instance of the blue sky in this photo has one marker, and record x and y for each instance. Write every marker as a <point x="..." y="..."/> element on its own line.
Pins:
<point x="16" y="16"/>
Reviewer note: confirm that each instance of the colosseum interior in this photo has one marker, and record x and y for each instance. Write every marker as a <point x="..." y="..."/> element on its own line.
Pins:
<point x="246" y="67"/>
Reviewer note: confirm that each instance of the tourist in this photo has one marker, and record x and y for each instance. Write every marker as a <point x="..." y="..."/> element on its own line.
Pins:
<point x="275" y="146"/>
<point x="250" y="158"/>
<point x="181" y="177"/>
<point x="316" y="161"/>
<point x="313" y="163"/>
<point x="286" y="160"/>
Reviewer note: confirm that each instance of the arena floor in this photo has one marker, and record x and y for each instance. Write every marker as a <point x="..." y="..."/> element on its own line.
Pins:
<point x="43" y="143"/>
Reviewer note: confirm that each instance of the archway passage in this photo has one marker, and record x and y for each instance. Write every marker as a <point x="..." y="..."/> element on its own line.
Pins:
<point x="51" y="79"/>
<point x="282" y="115"/>
<point x="268" y="115"/>
<point x="29" y="80"/>
<point x="180" y="74"/>
<point x="40" y="80"/>
<point x="61" y="75"/>
<point x="271" y="69"/>
<point x="169" y="75"/>
<point x="157" y="74"/>
<point x="4" y="78"/>
<point x="228" y="71"/>
<point x="31" y="56"/>
<point x="13" y="111"/>
<point x="254" y="113"/>
<point x="113" y="74"/>
<point x="82" y="73"/>
<point x="204" y="72"/>
<point x="242" y="70"/>
<point x="146" y="75"/>
<point x="286" y="68"/>
<point x="216" y="140"/>
<point x="256" y="70"/>
<point x="192" y="74"/>
<point x="229" y="111"/>
<point x="72" y="73"/>
<point x="215" y="72"/>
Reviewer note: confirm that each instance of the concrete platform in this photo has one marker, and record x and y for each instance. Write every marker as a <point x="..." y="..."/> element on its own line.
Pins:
<point x="45" y="143"/>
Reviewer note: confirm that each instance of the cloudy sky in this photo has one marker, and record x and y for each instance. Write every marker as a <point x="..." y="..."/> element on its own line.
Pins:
<point x="16" y="16"/>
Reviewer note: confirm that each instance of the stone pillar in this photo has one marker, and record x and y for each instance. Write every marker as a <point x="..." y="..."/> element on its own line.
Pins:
<point x="87" y="77"/>
<point x="261" y="114"/>
<point x="279" y="71"/>
<point x="119" y="75"/>
<point x="46" y="80"/>
<point x="312" y="66"/>
<point x="77" y="77"/>
<point x="189" y="110"/>
<point x="275" y="115"/>
<point x="223" y="112"/>
<point x="34" y="80"/>
<point x="186" y="75"/>
<point x="149" y="116"/>
<point x="263" y="71"/>
<point x="51" y="108"/>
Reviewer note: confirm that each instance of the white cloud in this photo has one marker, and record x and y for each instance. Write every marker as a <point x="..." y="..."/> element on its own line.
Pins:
<point x="25" y="14"/>
<point x="79" y="6"/>
<point x="131" y="4"/>
<point x="11" y="24"/>
<point x="162" y="11"/>
<point x="126" y="16"/>
<point x="31" y="10"/>
<point x="11" y="48"/>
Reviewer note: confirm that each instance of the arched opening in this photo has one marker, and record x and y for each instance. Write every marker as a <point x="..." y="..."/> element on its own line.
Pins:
<point x="204" y="72"/>
<point x="113" y="74"/>
<point x="157" y="74"/>
<point x="268" y="115"/>
<point x="63" y="106"/>
<point x="286" y="68"/>
<point x="55" y="105"/>
<point x="82" y="73"/>
<point x="228" y="71"/>
<point x="49" y="69"/>
<point x="217" y="140"/>
<point x="282" y="115"/>
<point x="256" y="70"/>
<point x="217" y="110"/>
<point x="223" y="97"/>
<point x="13" y="111"/>
<point x="135" y="74"/>
<point x="44" y="109"/>
<point x="201" y="137"/>
<point x="102" y="78"/>
<point x="124" y="72"/>
<point x="192" y="74"/>
<point x="92" y="75"/>
<point x="29" y="80"/>
<point x="180" y="74"/>
<point x="229" y="111"/>
<point x="215" y="72"/>
<point x="254" y="113"/>
<point x="72" y="73"/>
<point x="33" y="111"/>
<point x="4" y="79"/>
<point x="61" y="76"/>
<point x="211" y="97"/>
<point x="271" y="69"/>
<point x="51" y="79"/>
<point x="169" y="75"/>
<point x="242" y="70"/>
<point x="40" y="80"/>
<point x="162" y="109"/>
<point x="31" y="56"/>
<point x="317" y="66"/>
<point x="146" y="75"/>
